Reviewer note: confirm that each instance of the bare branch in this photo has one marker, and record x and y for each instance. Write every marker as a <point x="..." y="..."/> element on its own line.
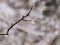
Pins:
<point x="17" y="22"/>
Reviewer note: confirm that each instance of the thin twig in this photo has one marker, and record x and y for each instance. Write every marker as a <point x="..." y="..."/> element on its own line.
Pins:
<point x="17" y="22"/>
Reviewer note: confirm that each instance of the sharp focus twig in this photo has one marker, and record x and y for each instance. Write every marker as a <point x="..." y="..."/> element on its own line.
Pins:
<point x="17" y="22"/>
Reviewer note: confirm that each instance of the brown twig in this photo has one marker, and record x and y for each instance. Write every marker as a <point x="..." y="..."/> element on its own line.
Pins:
<point x="17" y="22"/>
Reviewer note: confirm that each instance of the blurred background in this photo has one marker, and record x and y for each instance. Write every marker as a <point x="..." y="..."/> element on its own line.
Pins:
<point x="41" y="27"/>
